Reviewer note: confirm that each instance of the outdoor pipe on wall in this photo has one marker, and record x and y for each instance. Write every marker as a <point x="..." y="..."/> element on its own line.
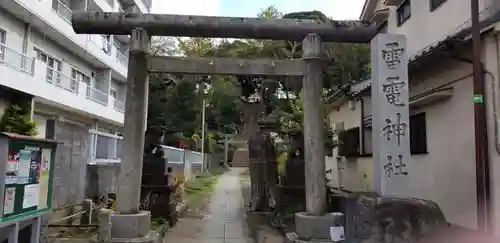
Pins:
<point x="480" y="127"/>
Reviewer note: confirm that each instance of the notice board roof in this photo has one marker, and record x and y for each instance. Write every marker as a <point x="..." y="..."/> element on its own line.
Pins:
<point x="24" y="137"/>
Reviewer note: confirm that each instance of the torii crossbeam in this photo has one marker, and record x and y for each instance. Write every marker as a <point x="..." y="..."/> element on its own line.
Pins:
<point x="142" y="27"/>
<point x="222" y="27"/>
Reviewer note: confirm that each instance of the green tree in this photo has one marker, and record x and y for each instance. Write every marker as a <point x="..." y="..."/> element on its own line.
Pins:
<point x="16" y="119"/>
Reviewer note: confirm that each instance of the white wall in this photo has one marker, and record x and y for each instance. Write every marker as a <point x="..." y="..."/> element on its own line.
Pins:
<point x="36" y="85"/>
<point x="446" y="174"/>
<point x="492" y="65"/>
<point x="426" y="27"/>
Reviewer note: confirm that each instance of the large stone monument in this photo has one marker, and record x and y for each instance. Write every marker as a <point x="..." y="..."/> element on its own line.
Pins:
<point x="390" y="115"/>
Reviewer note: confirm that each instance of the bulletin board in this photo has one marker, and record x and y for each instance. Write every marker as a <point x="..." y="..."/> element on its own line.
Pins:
<point x="28" y="176"/>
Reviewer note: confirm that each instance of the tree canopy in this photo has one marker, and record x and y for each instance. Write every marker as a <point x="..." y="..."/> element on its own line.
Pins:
<point x="175" y="102"/>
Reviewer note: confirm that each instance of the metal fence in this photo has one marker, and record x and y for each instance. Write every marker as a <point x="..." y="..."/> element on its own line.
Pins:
<point x="188" y="162"/>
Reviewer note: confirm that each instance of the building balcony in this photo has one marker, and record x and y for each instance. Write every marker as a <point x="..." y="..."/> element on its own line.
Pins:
<point x="56" y="88"/>
<point x="54" y="21"/>
<point x="16" y="60"/>
<point x="119" y="105"/>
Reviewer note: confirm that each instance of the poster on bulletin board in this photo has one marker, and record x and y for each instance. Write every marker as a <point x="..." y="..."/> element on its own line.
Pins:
<point x="28" y="177"/>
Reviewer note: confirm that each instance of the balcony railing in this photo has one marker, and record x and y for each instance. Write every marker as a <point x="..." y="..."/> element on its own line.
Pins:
<point x="62" y="10"/>
<point x="119" y="105"/>
<point x="122" y="59"/>
<point x="102" y="42"/>
<point x="97" y="95"/>
<point x="61" y="80"/>
<point x="104" y="147"/>
<point x="16" y="60"/>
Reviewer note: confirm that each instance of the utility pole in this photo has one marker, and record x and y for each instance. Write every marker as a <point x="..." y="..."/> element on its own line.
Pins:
<point x="226" y="148"/>
<point x="480" y="126"/>
<point x="203" y="135"/>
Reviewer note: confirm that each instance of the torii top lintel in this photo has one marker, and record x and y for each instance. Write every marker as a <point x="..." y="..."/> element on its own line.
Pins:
<point x="115" y="23"/>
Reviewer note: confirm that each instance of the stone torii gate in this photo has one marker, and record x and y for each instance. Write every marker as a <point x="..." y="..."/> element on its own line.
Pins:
<point x="130" y="223"/>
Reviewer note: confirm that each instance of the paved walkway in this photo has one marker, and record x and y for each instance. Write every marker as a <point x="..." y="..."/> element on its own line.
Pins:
<point x="224" y="221"/>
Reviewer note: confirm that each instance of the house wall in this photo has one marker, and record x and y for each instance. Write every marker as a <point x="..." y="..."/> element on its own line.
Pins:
<point x="446" y="174"/>
<point x="492" y="65"/>
<point x="426" y="27"/>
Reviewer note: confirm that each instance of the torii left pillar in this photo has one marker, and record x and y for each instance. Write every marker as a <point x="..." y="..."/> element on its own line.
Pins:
<point x="129" y="224"/>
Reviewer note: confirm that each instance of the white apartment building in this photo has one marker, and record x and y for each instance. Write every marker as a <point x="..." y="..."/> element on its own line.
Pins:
<point x="77" y="81"/>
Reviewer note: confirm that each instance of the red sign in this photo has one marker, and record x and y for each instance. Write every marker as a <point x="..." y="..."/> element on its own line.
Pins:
<point x="181" y="144"/>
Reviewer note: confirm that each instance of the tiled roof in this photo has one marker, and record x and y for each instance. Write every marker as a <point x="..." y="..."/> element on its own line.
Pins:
<point x="431" y="51"/>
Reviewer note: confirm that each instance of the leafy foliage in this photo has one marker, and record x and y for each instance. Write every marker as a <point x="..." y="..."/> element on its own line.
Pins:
<point x="175" y="106"/>
<point x="16" y="119"/>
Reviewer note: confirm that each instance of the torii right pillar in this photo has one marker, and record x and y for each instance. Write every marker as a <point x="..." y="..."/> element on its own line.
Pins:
<point x="314" y="224"/>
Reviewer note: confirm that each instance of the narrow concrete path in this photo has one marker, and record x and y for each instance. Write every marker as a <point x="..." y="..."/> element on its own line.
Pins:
<point x="224" y="220"/>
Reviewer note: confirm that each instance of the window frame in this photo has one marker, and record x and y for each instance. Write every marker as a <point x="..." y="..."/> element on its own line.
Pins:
<point x="3" y="42"/>
<point x="401" y="7"/>
<point x="3" y="36"/>
<point x="354" y="133"/>
<point x="414" y="149"/>
<point x="435" y="4"/>
<point x="418" y="142"/>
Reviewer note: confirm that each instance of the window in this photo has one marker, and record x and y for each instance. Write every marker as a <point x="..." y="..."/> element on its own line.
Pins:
<point x="367" y="141"/>
<point x="349" y="143"/>
<point x="54" y="66"/>
<point x="404" y="12"/>
<point x="113" y="93"/>
<point x="76" y="77"/>
<point x="106" y="44"/>
<point x="418" y="134"/>
<point x="435" y="4"/>
<point x="3" y="39"/>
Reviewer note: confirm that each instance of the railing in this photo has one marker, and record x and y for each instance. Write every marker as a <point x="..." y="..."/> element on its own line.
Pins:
<point x="85" y="212"/>
<point x="61" y="80"/>
<point x="119" y="105"/>
<point x="16" y="60"/>
<point x="121" y="58"/>
<point x="62" y="10"/>
<point x="104" y="147"/>
<point x="97" y="95"/>
<point x="101" y="42"/>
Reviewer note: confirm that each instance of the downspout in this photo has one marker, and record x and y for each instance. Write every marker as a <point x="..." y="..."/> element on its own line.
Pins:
<point x="494" y="90"/>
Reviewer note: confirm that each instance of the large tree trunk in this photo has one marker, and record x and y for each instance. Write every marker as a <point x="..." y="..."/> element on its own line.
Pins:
<point x="271" y="172"/>
<point x="258" y="197"/>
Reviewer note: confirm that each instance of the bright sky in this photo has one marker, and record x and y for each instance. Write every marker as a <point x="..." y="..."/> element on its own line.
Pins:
<point x="337" y="9"/>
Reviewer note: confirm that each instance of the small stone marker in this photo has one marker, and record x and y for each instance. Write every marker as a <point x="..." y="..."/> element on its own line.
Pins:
<point x="390" y="115"/>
